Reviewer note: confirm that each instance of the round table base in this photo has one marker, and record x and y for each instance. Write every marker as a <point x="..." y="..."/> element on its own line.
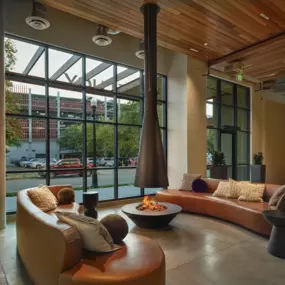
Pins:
<point x="276" y="245"/>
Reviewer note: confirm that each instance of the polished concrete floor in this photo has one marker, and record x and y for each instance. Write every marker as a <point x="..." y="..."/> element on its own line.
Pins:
<point x="199" y="251"/>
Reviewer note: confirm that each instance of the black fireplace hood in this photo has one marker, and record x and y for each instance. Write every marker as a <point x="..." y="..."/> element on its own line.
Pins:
<point x="151" y="169"/>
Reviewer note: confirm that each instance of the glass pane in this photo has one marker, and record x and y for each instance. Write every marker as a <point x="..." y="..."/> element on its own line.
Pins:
<point x="243" y="172"/>
<point x="160" y="114"/>
<point x="242" y="97"/>
<point x="227" y="96"/>
<point x="102" y="181"/>
<point x="160" y="89"/>
<point x="128" y="81"/>
<point x="65" y="103"/>
<point x="211" y="94"/>
<point x="66" y="143"/>
<point x="24" y="58"/>
<point x="128" y="145"/>
<point x="242" y="147"/>
<point x="65" y="67"/>
<point x="212" y="115"/>
<point x="16" y="182"/>
<point x="129" y="112"/>
<point x="99" y="74"/>
<point x="149" y="191"/>
<point x="227" y="147"/>
<point x="126" y="178"/>
<point x="227" y="116"/>
<point x="25" y="139"/>
<point x="243" y="119"/>
<point x="103" y="107"/>
<point x="104" y="150"/>
<point x="212" y="144"/>
<point x="25" y="99"/>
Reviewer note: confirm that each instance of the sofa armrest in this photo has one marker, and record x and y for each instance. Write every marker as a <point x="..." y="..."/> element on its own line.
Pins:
<point x="281" y="204"/>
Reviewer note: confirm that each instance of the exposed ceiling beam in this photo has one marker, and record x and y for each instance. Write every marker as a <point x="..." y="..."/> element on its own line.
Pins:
<point x="95" y="71"/>
<point x="120" y="76"/>
<point x="252" y="49"/>
<point x="70" y="62"/>
<point x="33" y="60"/>
<point x="129" y="85"/>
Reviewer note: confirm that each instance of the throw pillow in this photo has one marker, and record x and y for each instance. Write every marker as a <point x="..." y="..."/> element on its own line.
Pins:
<point x="281" y="204"/>
<point x="223" y="189"/>
<point x="199" y="186"/>
<point x="65" y="196"/>
<point x="276" y="197"/>
<point x="188" y="180"/>
<point x="252" y="192"/>
<point x="235" y="188"/>
<point x="94" y="235"/>
<point x="43" y="198"/>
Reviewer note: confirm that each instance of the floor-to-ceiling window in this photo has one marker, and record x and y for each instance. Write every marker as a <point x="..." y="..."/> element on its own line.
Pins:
<point x="73" y="119"/>
<point x="228" y="125"/>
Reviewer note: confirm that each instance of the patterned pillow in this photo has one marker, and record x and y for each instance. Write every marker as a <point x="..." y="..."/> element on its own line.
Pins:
<point x="94" y="235"/>
<point x="252" y="192"/>
<point x="188" y="180"/>
<point x="276" y="197"/>
<point x="43" y="198"/>
<point x="235" y="188"/>
<point x="223" y="189"/>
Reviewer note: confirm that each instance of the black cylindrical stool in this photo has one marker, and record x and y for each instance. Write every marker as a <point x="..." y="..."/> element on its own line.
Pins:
<point x="90" y="201"/>
<point x="276" y="245"/>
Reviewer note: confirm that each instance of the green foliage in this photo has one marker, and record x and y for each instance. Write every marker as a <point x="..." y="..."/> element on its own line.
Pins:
<point x="258" y="158"/>
<point x="218" y="158"/>
<point x="13" y="126"/>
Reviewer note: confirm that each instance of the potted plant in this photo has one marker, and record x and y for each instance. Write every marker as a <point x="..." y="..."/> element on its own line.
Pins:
<point x="258" y="170"/>
<point x="219" y="169"/>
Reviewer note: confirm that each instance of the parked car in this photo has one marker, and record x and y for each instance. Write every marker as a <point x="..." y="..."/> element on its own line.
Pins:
<point x="109" y="162"/>
<point x="23" y="158"/>
<point x="23" y="163"/>
<point x="27" y="164"/>
<point x="67" y="166"/>
<point x="41" y="163"/>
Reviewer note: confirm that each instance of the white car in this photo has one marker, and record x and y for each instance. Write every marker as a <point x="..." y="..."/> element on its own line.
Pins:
<point x="41" y="163"/>
<point x="25" y="163"/>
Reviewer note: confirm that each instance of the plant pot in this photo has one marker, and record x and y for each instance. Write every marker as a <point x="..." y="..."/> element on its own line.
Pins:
<point x="258" y="173"/>
<point x="219" y="172"/>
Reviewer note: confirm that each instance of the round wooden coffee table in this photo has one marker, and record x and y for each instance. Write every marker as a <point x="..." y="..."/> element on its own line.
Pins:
<point x="151" y="219"/>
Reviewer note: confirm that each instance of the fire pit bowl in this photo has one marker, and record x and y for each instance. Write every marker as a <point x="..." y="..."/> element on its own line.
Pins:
<point x="151" y="219"/>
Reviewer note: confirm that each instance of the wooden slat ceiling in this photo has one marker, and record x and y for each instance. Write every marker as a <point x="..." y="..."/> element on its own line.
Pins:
<point x="225" y="26"/>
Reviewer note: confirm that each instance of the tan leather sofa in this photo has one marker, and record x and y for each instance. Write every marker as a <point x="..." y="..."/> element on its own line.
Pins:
<point x="246" y="214"/>
<point x="52" y="252"/>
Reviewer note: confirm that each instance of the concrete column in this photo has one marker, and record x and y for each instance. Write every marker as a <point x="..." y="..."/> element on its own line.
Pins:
<point x="2" y="123"/>
<point x="196" y="116"/>
<point x="177" y="120"/>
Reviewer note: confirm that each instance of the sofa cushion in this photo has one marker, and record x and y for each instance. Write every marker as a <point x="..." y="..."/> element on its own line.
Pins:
<point x="199" y="186"/>
<point x="251" y="192"/>
<point x="43" y="198"/>
<point x="94" y="235"/>
<point x="281" y="204"/>
<point x="223" y="189"/>
<point x="276" y="197"/>
<point x="188" y="180"/>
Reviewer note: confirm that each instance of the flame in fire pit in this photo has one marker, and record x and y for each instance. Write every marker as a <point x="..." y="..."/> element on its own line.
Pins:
<point x="149" y="204"/>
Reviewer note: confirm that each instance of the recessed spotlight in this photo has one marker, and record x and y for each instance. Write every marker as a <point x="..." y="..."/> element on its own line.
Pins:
<point x="193" y="49"/>
<point x="205" y="44"/>
<point x="264" y="16"/>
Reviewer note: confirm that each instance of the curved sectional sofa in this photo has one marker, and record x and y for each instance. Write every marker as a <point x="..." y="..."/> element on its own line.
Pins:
<point x="246" y="214"/>
<point x="52" y="254"/>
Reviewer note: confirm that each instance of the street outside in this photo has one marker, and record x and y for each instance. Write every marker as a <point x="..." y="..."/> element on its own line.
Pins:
<point x="19" y="181"/>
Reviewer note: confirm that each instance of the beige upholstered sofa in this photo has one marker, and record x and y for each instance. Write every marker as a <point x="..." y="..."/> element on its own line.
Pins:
<point x="52" y="252"/>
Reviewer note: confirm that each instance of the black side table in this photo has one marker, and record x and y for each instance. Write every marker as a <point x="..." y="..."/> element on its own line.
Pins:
<point x="90" y="201"/>
<point x="276" y="245"/>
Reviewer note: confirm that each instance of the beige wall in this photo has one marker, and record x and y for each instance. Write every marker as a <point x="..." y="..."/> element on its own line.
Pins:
<point x="177" y="120"/>
<point x="268" y="135"/>
<point x="196" y="116"/>
<point x="76" y="34"/>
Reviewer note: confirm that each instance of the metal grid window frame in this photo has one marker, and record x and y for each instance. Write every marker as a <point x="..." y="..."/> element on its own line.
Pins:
<point x="218" y="104"/>
<point x="47" y="83"/>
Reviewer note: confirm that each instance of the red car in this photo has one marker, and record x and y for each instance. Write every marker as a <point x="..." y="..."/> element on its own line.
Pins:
<point x="65" y="165"/>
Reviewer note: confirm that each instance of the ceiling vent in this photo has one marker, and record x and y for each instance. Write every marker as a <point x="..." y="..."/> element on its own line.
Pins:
<point x="101" y="38"/>
<point x="140" y="52"/>
<point x="38" y="19"/>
